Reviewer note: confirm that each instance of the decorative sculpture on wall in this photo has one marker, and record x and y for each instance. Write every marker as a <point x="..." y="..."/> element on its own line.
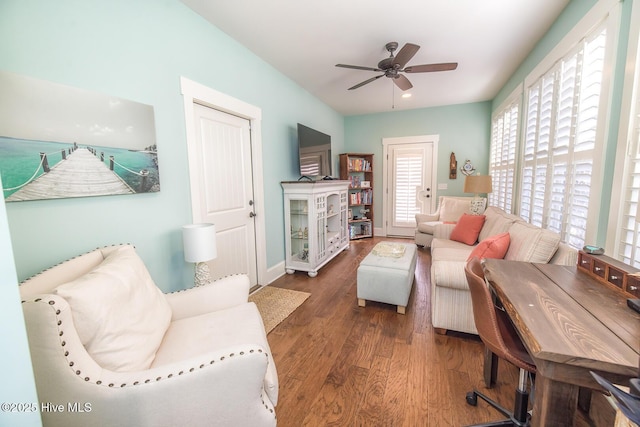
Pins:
<point x="468" y="168"/>
<point x="453" y="166"/>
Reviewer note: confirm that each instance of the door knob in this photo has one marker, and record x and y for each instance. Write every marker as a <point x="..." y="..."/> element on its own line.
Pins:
<point x="252" y="214"/>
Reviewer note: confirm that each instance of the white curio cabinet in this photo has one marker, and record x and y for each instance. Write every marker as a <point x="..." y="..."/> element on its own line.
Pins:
<point x="316" y="223"/>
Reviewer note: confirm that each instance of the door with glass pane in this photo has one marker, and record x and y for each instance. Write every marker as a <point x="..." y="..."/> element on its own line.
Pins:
<point x="409" y="182"/>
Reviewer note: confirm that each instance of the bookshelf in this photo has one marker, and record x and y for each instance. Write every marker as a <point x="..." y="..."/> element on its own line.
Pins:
<point x="357" y="168"/>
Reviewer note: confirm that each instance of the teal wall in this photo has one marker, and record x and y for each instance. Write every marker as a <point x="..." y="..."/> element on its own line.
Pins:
<point x="463" y="129"/>
<point x="138" y="51"/>
<point x="17" y="375"/>
<point x="569" y="17"/>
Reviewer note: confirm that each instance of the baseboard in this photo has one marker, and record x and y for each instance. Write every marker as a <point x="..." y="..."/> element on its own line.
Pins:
<point x="378" y="233"/>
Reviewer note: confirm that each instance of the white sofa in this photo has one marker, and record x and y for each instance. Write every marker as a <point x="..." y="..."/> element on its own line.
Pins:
<point x="451" y="307"/>
<point x="110" y="349"/>
<point x="450" y="209"/>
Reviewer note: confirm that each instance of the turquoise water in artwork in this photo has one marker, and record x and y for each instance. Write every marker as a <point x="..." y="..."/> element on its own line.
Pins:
<point x="20" y="163"/>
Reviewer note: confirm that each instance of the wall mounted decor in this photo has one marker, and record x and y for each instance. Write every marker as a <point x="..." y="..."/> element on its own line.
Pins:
<point x="468" y="168"/>
<point x="453" y="166"/>
<point x="58" y="141"/>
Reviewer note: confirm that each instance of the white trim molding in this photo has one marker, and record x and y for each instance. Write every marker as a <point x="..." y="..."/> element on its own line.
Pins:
<point x="196" y="93"/>
<point x="419" y="139"/>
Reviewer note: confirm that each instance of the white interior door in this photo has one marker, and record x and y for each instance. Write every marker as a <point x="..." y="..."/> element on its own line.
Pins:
<point x="409" y="176"/>
<point x="223" y="194"/>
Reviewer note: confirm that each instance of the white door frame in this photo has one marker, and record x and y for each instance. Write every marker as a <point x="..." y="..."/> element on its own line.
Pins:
<point x="193" y="92"/>
<point x="386" y="142"/>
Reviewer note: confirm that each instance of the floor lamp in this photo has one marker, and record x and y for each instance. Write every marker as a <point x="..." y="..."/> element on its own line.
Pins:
<point x="199" y="247"/>
<point x="477" y="184"/>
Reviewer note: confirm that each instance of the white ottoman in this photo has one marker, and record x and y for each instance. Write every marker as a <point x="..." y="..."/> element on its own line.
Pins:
<point x="386" y="274"/>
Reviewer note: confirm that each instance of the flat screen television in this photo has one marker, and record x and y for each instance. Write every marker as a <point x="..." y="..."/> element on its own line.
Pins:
<point x="314" y="149"/>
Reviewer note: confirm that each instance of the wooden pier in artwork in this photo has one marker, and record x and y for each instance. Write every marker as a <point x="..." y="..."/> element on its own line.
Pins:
<point x="81" y="174"/>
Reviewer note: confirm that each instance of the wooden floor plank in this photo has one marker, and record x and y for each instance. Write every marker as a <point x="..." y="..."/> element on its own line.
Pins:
<point x="371" y="409"/>
<point x="340" y="364"/>
<point x="395" y="394"/>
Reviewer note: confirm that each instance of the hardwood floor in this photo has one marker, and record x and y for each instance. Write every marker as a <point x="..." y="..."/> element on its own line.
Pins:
<point x="344" y="365"/>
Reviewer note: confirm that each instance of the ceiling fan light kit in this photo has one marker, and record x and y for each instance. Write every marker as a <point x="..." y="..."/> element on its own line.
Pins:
<point x="392" y="66"/>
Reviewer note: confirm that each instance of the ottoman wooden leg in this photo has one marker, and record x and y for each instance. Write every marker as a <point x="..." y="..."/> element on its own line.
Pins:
<point x="362" y="302"/>
<point x="401" y="309"/>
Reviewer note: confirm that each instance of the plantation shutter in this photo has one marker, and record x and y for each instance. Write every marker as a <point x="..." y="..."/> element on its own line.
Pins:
<point x="560" y="141"/>
<point x="629" y="243"/>
<point x="408" y="178"/>
<point x="502" y="157"/>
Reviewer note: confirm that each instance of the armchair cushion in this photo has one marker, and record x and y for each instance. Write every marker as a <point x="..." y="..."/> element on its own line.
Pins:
<point x="428" y="227"/>
<point x="119" y="313"/>
<point x="452" y="209"/>
<point x="193" y="337"/>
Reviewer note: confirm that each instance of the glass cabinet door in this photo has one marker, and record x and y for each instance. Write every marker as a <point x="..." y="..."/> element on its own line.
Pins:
<point x="299" y="220"/>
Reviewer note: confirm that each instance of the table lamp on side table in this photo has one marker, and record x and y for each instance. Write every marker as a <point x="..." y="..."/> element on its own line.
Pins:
<point x="477" y="184"/>
<point x="199" y="247"/>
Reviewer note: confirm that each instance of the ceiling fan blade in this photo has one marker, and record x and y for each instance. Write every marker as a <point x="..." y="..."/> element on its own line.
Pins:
<point x="405" y="54"/>
<point x="428" y="68"/>
<point x="358" y="67"/>
<point x="366" y="82"/>
<point x="402" y="82"/>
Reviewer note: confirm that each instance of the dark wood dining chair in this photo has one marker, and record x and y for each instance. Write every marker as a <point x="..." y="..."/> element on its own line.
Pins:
<point x="500" y="337"/>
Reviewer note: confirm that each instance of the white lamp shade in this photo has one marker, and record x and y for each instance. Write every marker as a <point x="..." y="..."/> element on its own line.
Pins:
<point x="199" y="242"/>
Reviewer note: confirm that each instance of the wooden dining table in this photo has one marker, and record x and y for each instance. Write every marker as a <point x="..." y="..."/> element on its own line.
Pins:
<point x="570" y="324"/>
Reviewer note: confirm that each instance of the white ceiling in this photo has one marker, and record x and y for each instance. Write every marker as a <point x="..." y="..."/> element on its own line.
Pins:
<point x="305" y="39"/>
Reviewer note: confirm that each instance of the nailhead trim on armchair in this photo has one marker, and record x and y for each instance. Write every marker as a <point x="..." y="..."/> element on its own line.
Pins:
<point x="146" y="381"/>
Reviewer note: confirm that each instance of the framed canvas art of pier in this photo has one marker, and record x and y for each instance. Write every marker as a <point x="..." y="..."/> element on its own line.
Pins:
<point x="58" y="141"/>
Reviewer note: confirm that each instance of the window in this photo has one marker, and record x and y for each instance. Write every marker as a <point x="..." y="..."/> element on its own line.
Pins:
<point x="629" y="241"/>
<point x="502" y="155"/>
<point x="624" y="234"/>
<point x="408" y="169"/>
<point x="560" y="147"/>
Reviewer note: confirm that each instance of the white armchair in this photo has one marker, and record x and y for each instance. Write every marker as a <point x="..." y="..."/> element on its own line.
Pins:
<point x="450" y="209"/>
<point x="194" y="358"/>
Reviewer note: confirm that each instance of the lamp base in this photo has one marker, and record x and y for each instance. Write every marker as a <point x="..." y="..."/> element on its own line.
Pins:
<point x="203" y="275"/>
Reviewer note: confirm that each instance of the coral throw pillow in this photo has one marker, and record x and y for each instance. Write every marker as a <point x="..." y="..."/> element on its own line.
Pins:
<point x="492" y="247"/>
<point x="467" y="229"/>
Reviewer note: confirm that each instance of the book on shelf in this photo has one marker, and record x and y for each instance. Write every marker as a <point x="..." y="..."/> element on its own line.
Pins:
<point x="359" y="165"/>
<point x="364" y="197"/>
